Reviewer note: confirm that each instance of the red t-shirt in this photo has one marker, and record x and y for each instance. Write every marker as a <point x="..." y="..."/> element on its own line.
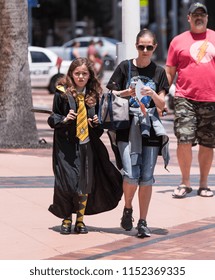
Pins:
<point x="193" y="55"/>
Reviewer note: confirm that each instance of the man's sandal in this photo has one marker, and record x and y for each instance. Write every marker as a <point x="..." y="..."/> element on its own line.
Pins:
<point x="183" y="194"/>
<point x="205" y="192"/>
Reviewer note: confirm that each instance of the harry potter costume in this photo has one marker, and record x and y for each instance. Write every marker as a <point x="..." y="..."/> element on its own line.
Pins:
<point x="106" y="190"/>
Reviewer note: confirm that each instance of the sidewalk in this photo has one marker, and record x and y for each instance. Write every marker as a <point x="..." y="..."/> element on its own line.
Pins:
<point x="183" y="229"/>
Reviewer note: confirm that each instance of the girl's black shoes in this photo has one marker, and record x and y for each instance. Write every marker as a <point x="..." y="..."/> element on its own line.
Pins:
<point x="66" y="226"/>
<point x="80" y="228"/>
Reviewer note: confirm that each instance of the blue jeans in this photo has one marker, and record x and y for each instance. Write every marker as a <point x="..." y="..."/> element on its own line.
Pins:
<point x="142" y="174"/>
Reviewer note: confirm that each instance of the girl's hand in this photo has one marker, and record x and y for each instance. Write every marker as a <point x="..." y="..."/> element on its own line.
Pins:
<point x="93" y="121"/>
<point x="71" y="115"/>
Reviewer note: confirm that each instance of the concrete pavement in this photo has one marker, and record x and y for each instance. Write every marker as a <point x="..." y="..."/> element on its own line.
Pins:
<point x="183" y="229"/>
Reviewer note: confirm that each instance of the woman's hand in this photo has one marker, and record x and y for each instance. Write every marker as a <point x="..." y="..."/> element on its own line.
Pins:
<point x="125" y="92"/>
<point x="131" y="91"/>
<point x="147" y="91"/>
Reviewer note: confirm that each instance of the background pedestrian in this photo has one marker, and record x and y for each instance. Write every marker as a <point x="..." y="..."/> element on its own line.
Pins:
<point x="191" y="58"/>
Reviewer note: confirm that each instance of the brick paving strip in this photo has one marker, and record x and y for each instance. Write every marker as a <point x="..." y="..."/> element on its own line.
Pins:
<point x="190" y="241"/>
<point x="27" y="182"/>
<point x="48" y="181"/>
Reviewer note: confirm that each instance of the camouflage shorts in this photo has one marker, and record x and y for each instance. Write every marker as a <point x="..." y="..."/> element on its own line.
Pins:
<point x="194" y="122"/>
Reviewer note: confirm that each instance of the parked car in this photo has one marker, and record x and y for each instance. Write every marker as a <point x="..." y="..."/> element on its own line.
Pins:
<point x="45" y="67"/>
<point x="109" y="49"/>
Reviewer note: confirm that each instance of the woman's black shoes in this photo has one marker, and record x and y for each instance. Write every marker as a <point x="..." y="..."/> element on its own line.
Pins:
<point x="80" y="228"/>
<point x="143" y="230"/>
<point x="127" y="219"/>
<point x="66" y="226"/>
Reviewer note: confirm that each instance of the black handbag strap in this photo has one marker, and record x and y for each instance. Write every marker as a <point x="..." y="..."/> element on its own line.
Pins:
<point x="109" y="110"/>
<point x="100" y="109"/>
<point x="110" y="107"/>
<point x="129" y="74"/>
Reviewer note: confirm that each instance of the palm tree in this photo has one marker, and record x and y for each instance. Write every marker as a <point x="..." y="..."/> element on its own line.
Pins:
<point x="17" y="122"/>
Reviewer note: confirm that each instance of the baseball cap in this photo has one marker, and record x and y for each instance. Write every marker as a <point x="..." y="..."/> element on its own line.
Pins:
<point x="195" y="6"/>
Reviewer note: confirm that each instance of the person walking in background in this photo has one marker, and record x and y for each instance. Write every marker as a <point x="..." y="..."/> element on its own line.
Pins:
<point x="75" y="50"/>
<point x="140" y="144"/>
<point x="94" y="56"/>
<point x="86" y="182"/>
<point x="91" y="51"/>
<point x="100" y="49"/>
<point x="191" y="57"/>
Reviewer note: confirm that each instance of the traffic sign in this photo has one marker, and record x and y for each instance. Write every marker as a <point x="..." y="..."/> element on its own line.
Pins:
<point x="144" y="3"/>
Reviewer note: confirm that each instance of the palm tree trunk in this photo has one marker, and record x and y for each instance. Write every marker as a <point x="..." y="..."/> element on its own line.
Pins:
<point x="17" y="122"/>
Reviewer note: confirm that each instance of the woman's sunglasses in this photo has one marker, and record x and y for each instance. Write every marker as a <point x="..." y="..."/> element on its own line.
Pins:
<point x="142" y="47"/>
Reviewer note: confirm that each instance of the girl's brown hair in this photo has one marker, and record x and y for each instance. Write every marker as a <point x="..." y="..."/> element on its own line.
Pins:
<point x="93" y="86"/>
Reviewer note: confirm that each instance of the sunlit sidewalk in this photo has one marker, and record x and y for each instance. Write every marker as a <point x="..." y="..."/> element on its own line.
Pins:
<point x="30" y="232"/>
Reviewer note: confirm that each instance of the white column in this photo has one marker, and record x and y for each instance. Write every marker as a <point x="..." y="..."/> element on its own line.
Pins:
<point x="130" y="28"/>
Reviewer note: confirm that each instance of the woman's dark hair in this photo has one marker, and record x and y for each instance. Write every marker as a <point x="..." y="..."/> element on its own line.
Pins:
<point x="93" y="86"/>
<point x="144" y="32"/>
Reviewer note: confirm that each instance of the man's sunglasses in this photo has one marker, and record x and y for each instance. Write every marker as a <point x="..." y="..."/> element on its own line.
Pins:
<point x="142" y="47"/>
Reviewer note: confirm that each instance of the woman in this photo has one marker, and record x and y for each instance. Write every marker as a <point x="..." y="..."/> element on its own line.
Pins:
<point x="94" y="56"/>
<point x="75" y="50"/>
<point x="86" y="182"/>
<point x="140" y="145"/>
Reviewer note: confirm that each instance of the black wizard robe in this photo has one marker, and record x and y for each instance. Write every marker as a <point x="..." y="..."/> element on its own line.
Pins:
<point x="107" y="189"/>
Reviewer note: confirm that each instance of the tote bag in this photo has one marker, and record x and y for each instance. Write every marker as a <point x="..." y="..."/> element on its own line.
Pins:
<point x="113" y="112"/>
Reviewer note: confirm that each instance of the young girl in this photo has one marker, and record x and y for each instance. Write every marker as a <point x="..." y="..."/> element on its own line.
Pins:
<point x="140" y="145"/>
<point x="86" y="182"/>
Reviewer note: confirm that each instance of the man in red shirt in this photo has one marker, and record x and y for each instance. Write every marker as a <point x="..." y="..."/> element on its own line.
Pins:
<point x="191" y="60"/>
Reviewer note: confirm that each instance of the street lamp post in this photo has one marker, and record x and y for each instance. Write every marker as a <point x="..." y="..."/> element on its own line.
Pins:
<point x="73" y="8"/>
<point x="31" y="4"/>
<point x="161" y="18"/>
<point x="174" y="18"/>
<point x="117" y="19"/>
